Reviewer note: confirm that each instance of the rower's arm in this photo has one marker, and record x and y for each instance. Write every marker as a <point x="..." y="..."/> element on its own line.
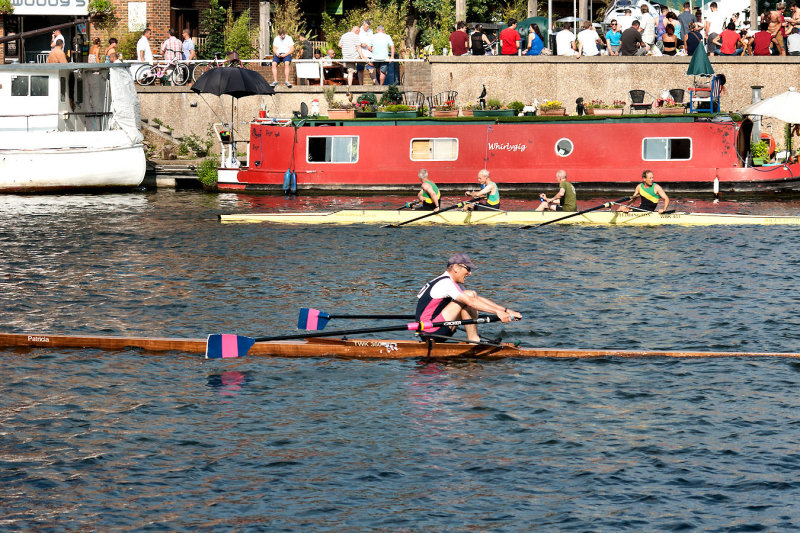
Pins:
<point x="480" y="303"/>
<point x="664" y="196"/>
<point x="483" y="192"/>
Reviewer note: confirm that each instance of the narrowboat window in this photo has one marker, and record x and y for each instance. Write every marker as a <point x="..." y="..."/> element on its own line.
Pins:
<point x="564" y="147"/>
<point x="39" y="85"/>
<point x="19" y="86"/>
<point x="63" y="88"/>
<point x="665" y="149"/>
<point x="434" y="149"/>
<point x="341" y="149"/>
<point x="79" y="91"/>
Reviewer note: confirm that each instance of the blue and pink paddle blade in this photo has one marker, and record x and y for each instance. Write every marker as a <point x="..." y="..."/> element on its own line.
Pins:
<point x="227" y="346"/>
<point x="312" y="319"/>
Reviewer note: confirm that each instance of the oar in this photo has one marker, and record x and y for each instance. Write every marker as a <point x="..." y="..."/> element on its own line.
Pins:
<point x="645" y="210"/>
<point x="601" y="206"/>
<point x="316" y="319"/>
<point x="409" y="205"/>
<point x="227" y="345"/>
<point x="456" y="206"/>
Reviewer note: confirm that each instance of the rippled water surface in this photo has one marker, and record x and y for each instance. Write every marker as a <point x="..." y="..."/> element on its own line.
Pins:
<point x="93" y="440"/>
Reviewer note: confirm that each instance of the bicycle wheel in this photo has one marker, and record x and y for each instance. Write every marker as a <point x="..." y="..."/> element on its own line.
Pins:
<point x="180" y="74"/>
<point x="200" y="69"/>
<point x="145" y="75"/>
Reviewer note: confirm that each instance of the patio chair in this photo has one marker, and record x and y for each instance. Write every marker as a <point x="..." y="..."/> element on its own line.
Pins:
<point x="706" y="99"/>
<point x="637" y="101"/>
<point x="677" y="95"/>
<point x="442" y="97"/>
<point x="413" y="98"/>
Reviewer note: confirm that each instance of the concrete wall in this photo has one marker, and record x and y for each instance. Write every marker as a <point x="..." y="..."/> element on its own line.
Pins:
<point x="506" y="78"/>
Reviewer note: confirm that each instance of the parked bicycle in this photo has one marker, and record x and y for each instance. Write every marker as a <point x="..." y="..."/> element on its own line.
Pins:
<point x="148" y="74"/>
<point x="232" y="61"/>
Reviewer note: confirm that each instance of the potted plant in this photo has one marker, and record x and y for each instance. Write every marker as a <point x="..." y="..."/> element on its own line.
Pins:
<point x="598" y="107"/>
<point x="669" y="107"/>
<point x="102" y="14"/>
<point x="517" y="106"/>
<point x="494" y="108"/>
<point x="341" y="110"/>
<point x="446" y="110"/>
<point x="467" y="110"/>
<point x="6" y="8"/>
<point x="760" y="152"/>
<point x="396" y="111"/>
<point x="366" y="106"/>
<point x="552" y="108"/>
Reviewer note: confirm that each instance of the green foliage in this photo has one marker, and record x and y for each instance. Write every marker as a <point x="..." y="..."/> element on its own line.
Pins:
<point x="494" y="104"/>
<point x="239" y="36"/>
<point x="200" y="147"/>
<point x="369" y="98"/>
<point x="517" y="9"/>
<point x="286" y="15"/>
<point x="330" y="94"/>
<point x="395" y="108"/>
<point x="212" y="23"/>
<point x="760" y="150"/>
<point x="516" y="105"/>
<point x="126" y="42"/>
<point x="102" y="12"/>
<point x="437" y="20"/>
<point x="6" y="7"/>
<point x="207" y="172"/>
<point x="391" y="15"/>
<point x="391" y="95"/>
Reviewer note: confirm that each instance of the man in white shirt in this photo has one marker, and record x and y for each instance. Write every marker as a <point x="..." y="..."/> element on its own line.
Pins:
<point x="793" y="43"/>
<point x="382" y="50"/>
<point x="647" y="26"/>
<point x="366" y="53"/>
<point x="713" y="27"/>
<point x="588" y="40"/>
<point x="350" y="43"/>
<point x="565" y="41"/>
<point x="143" y="51"/>
<point x="624" y="22"/>
<point x="282" y="50"/>
<point x="56" y="38"/>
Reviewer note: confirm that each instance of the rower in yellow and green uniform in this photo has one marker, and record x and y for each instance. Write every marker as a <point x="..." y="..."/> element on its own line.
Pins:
<point x="489" y="194"/>
<point x="650" y="193"/>
<point x="428" y="194"/>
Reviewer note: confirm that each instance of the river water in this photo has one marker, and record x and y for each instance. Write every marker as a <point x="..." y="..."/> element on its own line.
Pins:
<point x="126" y="440"/>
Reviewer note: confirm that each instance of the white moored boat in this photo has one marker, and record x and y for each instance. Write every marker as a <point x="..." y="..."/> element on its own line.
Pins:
<point x="66" y="126"/>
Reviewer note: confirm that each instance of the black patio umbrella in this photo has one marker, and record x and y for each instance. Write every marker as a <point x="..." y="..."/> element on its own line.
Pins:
<point x="235" y="81"/>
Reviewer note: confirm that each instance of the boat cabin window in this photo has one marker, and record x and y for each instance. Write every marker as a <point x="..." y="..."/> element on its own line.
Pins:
<point x="666" y="149"/>
<point x="29" y="86"/>
<point x="434" y="149"/>
<point x="334" y="149"/>
<point x="63" y="88"/>
<point x="564" y="147"/>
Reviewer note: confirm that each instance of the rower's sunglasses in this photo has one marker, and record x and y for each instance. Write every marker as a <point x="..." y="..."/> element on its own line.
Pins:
<point x="465" y="267"/>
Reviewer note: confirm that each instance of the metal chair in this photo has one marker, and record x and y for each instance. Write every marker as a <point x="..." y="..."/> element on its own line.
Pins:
<point x="413" y="98"/>
<point x="637" y="101"/>
<point x="706" y="99"/>
<point x="442" y="98"/>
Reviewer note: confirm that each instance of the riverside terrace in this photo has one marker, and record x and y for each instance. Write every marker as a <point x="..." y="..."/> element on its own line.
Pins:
<point x="506" y="78"/>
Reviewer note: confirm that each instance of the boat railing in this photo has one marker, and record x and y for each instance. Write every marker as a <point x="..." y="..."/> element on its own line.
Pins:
<point x="58" y="121"/>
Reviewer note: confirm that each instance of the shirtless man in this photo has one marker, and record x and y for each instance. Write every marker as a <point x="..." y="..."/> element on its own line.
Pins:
<point x="444" y="298"/>
<point x="775" y="27"/>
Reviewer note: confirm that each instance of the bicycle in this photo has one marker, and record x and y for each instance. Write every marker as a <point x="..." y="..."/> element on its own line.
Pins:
<point x="232" y="61"/>
<point x="147" y="74"/>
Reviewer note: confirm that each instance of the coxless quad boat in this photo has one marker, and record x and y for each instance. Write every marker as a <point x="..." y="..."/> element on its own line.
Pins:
<point x="345" y="348"/>
<point x="614" y="218"/>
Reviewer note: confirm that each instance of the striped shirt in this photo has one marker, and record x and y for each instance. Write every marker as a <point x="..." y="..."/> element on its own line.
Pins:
<point x="349" y="43"/>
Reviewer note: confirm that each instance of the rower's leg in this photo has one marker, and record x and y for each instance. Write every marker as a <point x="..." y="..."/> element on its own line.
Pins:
<point x="456" y="311"/>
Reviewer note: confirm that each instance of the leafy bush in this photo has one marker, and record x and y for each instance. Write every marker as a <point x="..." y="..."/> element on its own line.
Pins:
<point x="368" y="98"/>
<point x="102" y="12"/>
<point x="395" y="108"/>
<point x="391" y="95"/>
<point x="201" y="147"/>
<point x="207" y="172"/>
<point x="517" y="106"/>
<point x="6" y="7"/>
<point x="212" y="23"/>
<point x="760" y="150"/>
<point x="287" y="15"/>
<point x="494" y="104"/>
<point x="239" y="36"/>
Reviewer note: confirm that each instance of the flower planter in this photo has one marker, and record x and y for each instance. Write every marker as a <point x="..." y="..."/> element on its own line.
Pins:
<point x="560" y="112"/>
<point x="757" y="162"/>
<point x="466" y="112"/>
<point x="493" y="113"/>
<point x="603" y="112"/>
<point x="341" y="113"/>
<point x="366" y="114"/>
<point x="445" y="114"/>
<point x="670" y="110"/>
<point x="397" y="114"/>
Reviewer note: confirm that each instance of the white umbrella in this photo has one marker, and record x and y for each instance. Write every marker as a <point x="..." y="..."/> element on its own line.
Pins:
<point x="784" y="107"/>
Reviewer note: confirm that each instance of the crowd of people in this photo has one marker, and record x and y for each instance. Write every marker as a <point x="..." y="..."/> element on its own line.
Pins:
<point x="647" y="33"/>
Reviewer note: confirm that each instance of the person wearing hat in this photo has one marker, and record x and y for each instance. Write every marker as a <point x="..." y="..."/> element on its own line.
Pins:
<point x="444" y="298"/>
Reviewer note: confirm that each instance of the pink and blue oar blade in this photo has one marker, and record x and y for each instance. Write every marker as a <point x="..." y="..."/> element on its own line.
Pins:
<point x="312" y="319"/>
<point x="225" y="346"/>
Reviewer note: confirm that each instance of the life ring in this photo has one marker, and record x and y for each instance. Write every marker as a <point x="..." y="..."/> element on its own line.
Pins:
<point x="770" y="140"/>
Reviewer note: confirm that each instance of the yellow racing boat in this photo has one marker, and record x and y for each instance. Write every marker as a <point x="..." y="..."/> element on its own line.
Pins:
<point x="519" y="218"/>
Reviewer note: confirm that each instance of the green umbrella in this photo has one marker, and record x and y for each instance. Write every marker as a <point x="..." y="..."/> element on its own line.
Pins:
<point x="700" y="65"/>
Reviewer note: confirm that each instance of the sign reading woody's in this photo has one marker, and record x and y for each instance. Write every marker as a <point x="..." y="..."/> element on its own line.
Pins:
<point x="50" y="7"/>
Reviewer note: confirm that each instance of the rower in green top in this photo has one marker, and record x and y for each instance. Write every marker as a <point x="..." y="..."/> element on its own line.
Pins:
<point x="650" y="193"/>
<point x="428" y="194"/>
<point x="489" y="195"/>
<point x="563" y="200"/>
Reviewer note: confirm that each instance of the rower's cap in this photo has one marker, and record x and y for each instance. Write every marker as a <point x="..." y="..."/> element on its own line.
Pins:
<point x="461" y="259"/>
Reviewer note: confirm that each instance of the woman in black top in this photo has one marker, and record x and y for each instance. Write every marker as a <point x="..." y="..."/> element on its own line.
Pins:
<point x="669" y="41"/>
<point x="477" y="40"/>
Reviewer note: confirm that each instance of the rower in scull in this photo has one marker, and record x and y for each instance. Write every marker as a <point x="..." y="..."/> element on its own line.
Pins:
<point x="649" y="192"/>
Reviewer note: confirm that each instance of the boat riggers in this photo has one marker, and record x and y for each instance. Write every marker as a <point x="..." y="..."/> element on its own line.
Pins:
<point x="431" y="213"/>
<point x="220" y="346"/>
<point x="601" y="206"/>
